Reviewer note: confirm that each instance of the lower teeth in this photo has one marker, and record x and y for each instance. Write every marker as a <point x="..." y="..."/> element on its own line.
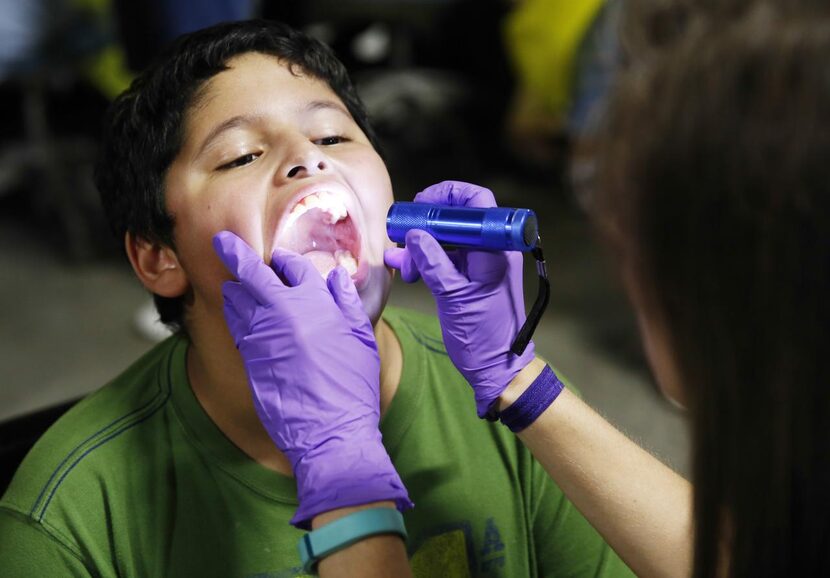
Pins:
<point x="346" y="260"/>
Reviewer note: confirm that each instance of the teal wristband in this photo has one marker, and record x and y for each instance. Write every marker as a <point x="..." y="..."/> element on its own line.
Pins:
<point x="347" y="530"/>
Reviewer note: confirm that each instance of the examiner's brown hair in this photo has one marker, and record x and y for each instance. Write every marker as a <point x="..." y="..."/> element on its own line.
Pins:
<point x="714" y="189"/>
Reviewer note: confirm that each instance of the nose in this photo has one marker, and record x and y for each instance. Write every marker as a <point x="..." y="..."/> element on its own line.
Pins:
<point x="303" y="159"/>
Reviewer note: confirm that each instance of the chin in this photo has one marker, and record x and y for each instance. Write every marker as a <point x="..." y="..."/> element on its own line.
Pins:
<point x="674" y="396"/>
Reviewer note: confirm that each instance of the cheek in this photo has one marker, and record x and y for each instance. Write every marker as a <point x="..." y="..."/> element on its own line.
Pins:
<point x="377" y="205"/>
<point x="210" y="214"/>
<point x="197" y="222"/>
<point x="654" y="337"/>
<point x="376" y="218"/>
<point x="660" y="358"/>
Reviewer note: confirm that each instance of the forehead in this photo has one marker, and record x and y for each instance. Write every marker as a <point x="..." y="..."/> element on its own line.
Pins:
<point x="256" y="83"/>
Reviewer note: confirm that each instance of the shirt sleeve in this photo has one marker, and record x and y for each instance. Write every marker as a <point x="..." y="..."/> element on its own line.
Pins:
<point x="28" y="549"/>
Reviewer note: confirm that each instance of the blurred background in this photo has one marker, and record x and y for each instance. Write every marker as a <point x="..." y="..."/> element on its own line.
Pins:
<point x="506" y="94"/>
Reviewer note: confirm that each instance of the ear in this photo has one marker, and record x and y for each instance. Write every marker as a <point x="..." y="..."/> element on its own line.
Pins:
<point x="156" y="266"/>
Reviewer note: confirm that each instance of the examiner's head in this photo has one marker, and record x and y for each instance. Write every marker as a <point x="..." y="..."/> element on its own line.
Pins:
<point x="715" y="192"/>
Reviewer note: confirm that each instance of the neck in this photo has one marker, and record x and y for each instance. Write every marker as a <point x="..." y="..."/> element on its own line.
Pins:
<point x="217" y="377"/>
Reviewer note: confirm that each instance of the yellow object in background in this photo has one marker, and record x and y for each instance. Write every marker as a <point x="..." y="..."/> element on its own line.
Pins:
<point x="107" y="69"/>
<point x="94" y="5"/>
<point x="543" y="39"/>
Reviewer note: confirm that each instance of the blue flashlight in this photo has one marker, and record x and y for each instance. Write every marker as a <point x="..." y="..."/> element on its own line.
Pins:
<point x="493" y="228"/>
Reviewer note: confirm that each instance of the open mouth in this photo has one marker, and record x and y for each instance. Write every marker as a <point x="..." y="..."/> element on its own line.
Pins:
<point x="320" y="227"/>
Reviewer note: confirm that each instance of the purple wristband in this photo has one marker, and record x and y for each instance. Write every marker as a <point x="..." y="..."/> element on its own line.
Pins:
<point x="533" y="401"/>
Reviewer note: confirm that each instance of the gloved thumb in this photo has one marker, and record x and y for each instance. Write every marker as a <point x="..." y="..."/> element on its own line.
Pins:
<point x="348" y="301"/>
<point x="295" y="269"/>
<point x="437" y="270"/>
<point x="239" y="308"/>
<point x="400" y="259"/>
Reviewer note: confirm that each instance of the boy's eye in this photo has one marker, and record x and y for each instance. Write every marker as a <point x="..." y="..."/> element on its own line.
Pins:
<point x="240" y="161"/>
<point x="330" y="140"/>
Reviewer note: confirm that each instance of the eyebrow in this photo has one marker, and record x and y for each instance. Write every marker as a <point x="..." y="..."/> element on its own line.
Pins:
<point x="327" y="105"/>
<point x="243" y="120"/>
<point x="226" y="125"/>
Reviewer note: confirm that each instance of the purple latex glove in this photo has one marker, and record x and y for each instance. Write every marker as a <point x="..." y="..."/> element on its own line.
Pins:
<point x="478" y="295"/>
<point x="314" y="371"/>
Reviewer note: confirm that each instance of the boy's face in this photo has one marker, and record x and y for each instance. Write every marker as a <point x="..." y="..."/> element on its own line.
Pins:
<point x="277" y="159"/>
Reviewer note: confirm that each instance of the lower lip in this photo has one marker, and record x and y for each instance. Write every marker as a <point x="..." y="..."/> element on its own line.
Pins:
<point x="361" y="276"/>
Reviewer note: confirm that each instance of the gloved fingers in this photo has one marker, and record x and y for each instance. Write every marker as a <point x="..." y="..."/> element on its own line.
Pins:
<point x="489" y="267"/>
<point x="294" y="268"/>
<point x="459" y="259"/>
<point x="409" y="271"/>
<point x="437" y="270"/>
<point x="239" y="309"/>
<point x="401" y="259"/>
<point x="393" y="257"/>
<point x="515" y="269"/>
<point x="247" y="266"/>
<point x="345" y="295"/>
<point x="457" y="194"/>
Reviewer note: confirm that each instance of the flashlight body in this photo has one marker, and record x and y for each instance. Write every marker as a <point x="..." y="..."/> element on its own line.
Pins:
<point x="493" y="228"/>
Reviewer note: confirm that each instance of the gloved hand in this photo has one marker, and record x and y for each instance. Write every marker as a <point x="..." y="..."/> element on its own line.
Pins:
<point x="478" y="295"/>
<point x="314" y="371"/>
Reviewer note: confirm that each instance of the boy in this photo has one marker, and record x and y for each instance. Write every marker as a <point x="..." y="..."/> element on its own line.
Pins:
<point x="256" y="128"/>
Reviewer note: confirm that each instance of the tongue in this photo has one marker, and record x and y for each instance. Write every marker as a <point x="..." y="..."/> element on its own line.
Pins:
<point x="312" y="231"/>
<point x="323" y="261"/>
<point x="325" y="244"/>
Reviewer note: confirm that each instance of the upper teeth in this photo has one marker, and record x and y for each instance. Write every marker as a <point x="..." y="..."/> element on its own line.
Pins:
<point x="331" y="204"/>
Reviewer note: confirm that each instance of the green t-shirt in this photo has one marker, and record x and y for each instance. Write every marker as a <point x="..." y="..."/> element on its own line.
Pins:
<point x="136" y="480"/>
